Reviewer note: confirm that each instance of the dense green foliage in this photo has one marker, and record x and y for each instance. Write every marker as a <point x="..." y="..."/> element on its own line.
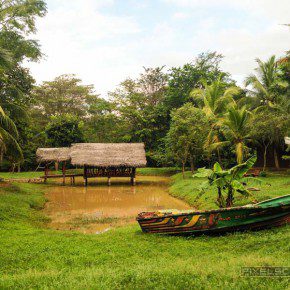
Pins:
<point x="17" y="23"/>
<point x="190" y="115"/>
<point x="187" y="134"/>
<point x="64" y="130"/>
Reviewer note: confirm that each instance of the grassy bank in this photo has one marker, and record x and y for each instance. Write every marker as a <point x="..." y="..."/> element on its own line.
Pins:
<point x="275" y="184"/>
<point x="32" y="256"/>
<point x="165" y="171"/>
<point x="20" y="175"/>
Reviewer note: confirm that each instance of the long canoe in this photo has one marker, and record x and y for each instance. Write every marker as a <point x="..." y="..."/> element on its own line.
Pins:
<point x="270" y="213"/>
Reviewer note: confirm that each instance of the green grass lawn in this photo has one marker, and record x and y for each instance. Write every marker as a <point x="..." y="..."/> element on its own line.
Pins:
<point x="33" y="256"/>
<point x="29" y="174"/>
<point x="165" y="171"/>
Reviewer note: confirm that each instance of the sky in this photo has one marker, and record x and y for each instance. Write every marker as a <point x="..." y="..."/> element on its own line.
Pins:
<point x="105" y="41"/>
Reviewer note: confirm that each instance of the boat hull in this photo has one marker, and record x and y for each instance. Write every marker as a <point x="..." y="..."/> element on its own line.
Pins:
<point x="268" y="214"/>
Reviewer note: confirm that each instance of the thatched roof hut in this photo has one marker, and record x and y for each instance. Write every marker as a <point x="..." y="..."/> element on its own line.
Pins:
<point x="53" y="154"/>
<point x="108" y="154"/>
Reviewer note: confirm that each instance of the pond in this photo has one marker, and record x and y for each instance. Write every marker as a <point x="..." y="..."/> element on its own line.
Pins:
<point x="99" y="207"/>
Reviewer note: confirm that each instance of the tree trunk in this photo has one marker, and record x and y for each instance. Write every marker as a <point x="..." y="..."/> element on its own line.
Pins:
<point x="18" y="167"/>
<point x="191" y="164"/>
<point x="230" y="198"/>
<point x="265" y="157"/>
<point x="220" y="199"/>
<point x="13" y="168"/>
<point x="240" y="152"/>
<point x="277" y="165"/>
<point x="183" y="169"/>
<point x="1" y="156"/>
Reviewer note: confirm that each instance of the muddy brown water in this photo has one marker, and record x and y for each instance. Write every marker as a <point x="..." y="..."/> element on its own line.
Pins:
<point x="99" y="207"/>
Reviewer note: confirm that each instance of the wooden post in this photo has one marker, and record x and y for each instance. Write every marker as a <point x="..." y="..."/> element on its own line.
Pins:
<point x="45" y="172"/>
<point x="63" y="172"/>
<point x="109" y="180"/>
<point x="133" y="180"/>
<point x="85" y="176"/>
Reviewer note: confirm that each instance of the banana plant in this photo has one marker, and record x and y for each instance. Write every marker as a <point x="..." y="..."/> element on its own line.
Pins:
<point x="227" y="182"/>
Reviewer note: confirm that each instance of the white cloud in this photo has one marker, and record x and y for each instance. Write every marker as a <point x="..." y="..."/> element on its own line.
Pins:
<point x="78" y="40"/>
<point x="278" y="9"/>
<point x="180" y="15"/>
<point x="241" y="47"/>
<point x="103" y="48"/>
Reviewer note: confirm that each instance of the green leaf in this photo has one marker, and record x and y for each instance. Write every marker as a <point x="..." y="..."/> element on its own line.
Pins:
<point x="217" y="167"/>
<point x="204" y="185"/>
<point x="203" y="172"/>
<point x="219" y="182"/>
<point x="239" y="170"/>
<point x="238" y="186"/>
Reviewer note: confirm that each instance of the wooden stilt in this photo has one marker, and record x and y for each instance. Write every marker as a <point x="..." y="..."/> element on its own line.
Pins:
<point x="109" y="181"/>
<point x="85" y="176"/>
<point x="133" y="180"/>
<point x="45" y="172"/>
<point x="63" y="172"/>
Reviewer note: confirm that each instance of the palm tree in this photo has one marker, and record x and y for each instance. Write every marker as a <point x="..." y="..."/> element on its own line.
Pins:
<point x="8" y="138"/>
<point x="267" y="84"/>
<point x="235" y="128"/>
<point x="269" y="90"/>
<point x="8" y="130"/>
<point x="214" y="100"/>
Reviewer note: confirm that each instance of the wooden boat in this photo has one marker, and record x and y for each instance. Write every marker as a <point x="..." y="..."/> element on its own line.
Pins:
<point x="269" y="213"/>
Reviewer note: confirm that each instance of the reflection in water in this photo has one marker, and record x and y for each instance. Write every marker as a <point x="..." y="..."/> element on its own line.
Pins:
<point x="98" y="206"/>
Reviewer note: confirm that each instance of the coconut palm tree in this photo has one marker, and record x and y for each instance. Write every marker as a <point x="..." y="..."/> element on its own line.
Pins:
<point x="8" y="138"/>
<point x="8" y="130"/>
<point x="269" y="90"/>
<point x="266" y="86"/>
<point x="235" y="127"/>
<point x="213" y="100"/>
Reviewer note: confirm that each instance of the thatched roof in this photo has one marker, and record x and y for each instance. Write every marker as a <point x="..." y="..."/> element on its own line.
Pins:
<point x="53" y="154"/>
<point x="108" y="154"/>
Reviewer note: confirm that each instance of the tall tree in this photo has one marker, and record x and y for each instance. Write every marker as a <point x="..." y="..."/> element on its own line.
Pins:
<point x="267" y="86"/>
<point x="270" y="89"/>
<point x="235" y="127"/>
<point x="140" y="106"/>
<point x="17" y="22"/>
<point x="187" y="133"/>
<point x="214" y="100"/>
<point x="64" y="130"/>
<point x="268" y="128"/>
<point x="64" y="95"/>
<point x="102" y="124"/>
<point x="182" y="80"/>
